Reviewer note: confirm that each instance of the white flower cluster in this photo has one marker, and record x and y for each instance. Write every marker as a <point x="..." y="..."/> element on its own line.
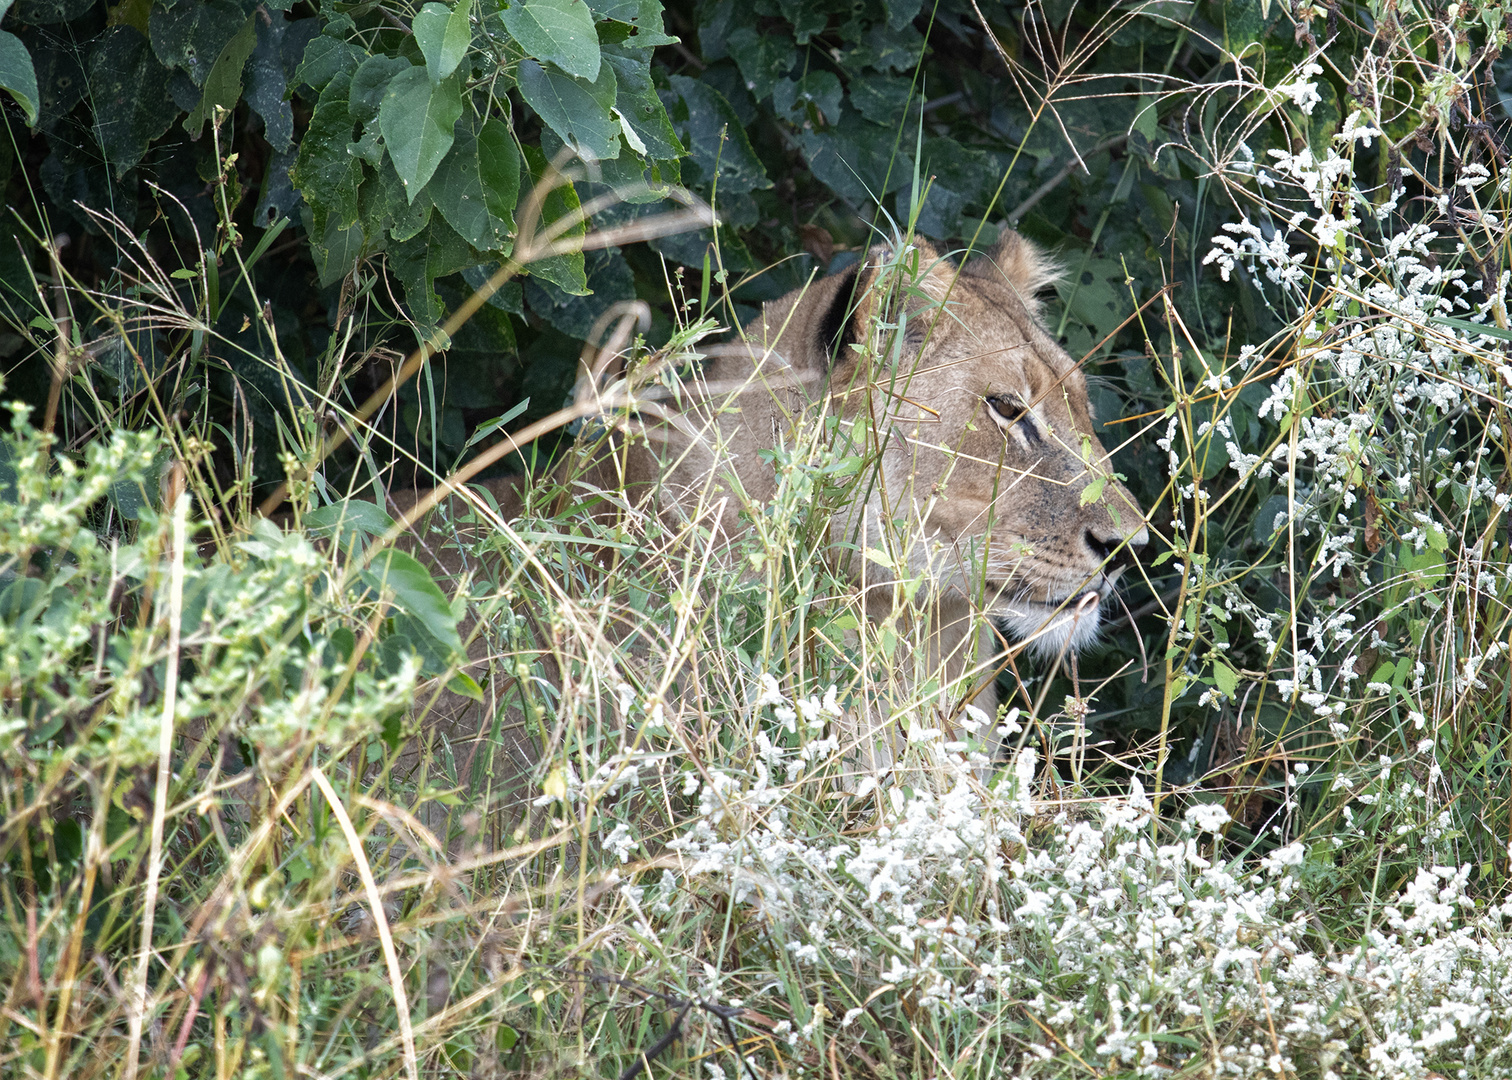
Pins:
<point x="1113" y="940"/>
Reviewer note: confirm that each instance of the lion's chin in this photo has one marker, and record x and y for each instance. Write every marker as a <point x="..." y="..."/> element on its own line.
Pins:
<point x="1053" y="629"/>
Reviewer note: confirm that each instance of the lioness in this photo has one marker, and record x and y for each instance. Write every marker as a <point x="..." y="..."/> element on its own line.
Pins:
<point x="991" y="483"/>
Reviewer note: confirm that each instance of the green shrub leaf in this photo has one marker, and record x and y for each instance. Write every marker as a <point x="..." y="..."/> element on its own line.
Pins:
<point x="325" y="171"/>
<point x="443" y="36"/>
<point x="558" y="32"/>
<point x="223" y="87"/>
<point x="416" y="594"/>
<point x="126" y="84"/>
<point x="577" y="110"/>
<point x="417" y="120"/>
<point x="17" y="76"/>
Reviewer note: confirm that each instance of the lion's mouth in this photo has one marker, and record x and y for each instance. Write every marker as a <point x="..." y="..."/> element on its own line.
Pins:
<point x="1052" y="626"/>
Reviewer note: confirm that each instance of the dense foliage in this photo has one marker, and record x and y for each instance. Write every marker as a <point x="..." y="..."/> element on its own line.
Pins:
<point x="1283" y="229"/>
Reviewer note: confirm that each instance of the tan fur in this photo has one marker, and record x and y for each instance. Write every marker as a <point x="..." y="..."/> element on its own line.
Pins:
<point x="991" y="511"/>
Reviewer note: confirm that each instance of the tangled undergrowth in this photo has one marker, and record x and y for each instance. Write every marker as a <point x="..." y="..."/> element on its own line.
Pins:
<point x="238" y="840"/>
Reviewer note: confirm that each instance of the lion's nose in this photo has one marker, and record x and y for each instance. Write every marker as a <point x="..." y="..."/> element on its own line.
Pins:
<point x="1116" y="550"/>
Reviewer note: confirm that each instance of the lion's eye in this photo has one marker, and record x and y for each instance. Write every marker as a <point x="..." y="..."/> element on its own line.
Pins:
<point x="1005" y="409"/>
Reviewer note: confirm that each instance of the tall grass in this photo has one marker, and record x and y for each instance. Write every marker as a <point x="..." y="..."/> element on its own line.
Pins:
<point x="239" y="840"/>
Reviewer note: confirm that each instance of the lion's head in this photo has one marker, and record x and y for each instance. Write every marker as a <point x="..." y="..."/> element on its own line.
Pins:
<point x="989" y="461"/>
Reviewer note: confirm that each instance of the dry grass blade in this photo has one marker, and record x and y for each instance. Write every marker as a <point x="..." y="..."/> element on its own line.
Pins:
<point x="136" y="1004"/>
<point x="380" y="920"/>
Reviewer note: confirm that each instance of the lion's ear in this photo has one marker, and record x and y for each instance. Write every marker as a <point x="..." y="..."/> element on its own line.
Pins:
<point x="1021" y="263"/>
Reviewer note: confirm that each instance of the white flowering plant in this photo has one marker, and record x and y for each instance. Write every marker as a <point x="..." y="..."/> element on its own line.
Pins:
<point x="700" y="813"/>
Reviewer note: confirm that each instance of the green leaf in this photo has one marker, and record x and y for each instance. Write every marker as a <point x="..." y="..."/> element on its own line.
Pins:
<point x="715" y="138"/>
<point x="1224" y="678"/>
<point x="191" y="36"/>
<point x="326" y="173"/>
<point x="856" y="160"/>
<point x="1437" y="539"/>
<point x="223" y="86"/>
<point x="641" y="109"/>
<point x="370" y="82"/>
<point x="499" y="169"/>
<point x="348" y="521"/>
<point x="1243" y="24"/>
<point x="464" y="685"/>
<point x="644" y="16"/>
<point x="577" y="110"/>
<point x="324" y="59"/>
<point x="818" y="92"/>
<point x="559" y="32"/>
<point x="458" y="191"/>
<point x="18" y="76"/>
<point x="416" y="594"/>
<point x="433" y="253"/>
<point x="1093" y="491"/>
<point x="443" y="36"/>
<point x="46" y="12"/>
<point x="417" y="119"/>
<point x="386" y="207"/>
<point x="763" y="58"/>
<point x="267" y="84"/>
<point x="609" y="281"/>
<point x="126" y="84"/>
<point x="564" y="271"/>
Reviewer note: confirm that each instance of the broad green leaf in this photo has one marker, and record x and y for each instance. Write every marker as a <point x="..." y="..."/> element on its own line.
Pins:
<point x="267" y="85"/>
<point x="46" y="12"/>
<point x="18" y="76"/>
<point x="763" y="58"/>
<point x="901" y="12"/>
<point x="191" y="36"/>
<point x="464" y="685"/>
<point x="435" y="252"/>
<point x="564" y="271"/>
<point x="1224" y="678"/>
<point x="125" y="84"/>
<point x="443" y="36"/>
<point x="641" y="109"/>
<point x="386" y="209"/>
<point x="326" y="172"/>
<point x="577" y="110"/>
<point x="348" y="521"/>
<point x="337" y="250"/>
<point x="223" y="86"/>
<point x="1243" y="24"/>
<point x="558" y="32"/>
<point x="859" y="161"/>
<point x="1093" y="491"/>
<point x="499" y="169"/>
<point x="715" y="137"/>
<point x="609" y="280"/>
<point x="458" y="191"/>
<point x="644" y="16"/>
<point x="416" y="594"/>
<point x="819" y="90"/>
<point x="61" y="82"/>
<point x="371" y="82"/>
<point x="324" y="59"/>
<point x="417" y="120"/>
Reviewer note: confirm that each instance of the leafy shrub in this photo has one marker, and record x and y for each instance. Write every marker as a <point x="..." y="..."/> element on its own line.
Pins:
<point x="1282" y="230"/>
